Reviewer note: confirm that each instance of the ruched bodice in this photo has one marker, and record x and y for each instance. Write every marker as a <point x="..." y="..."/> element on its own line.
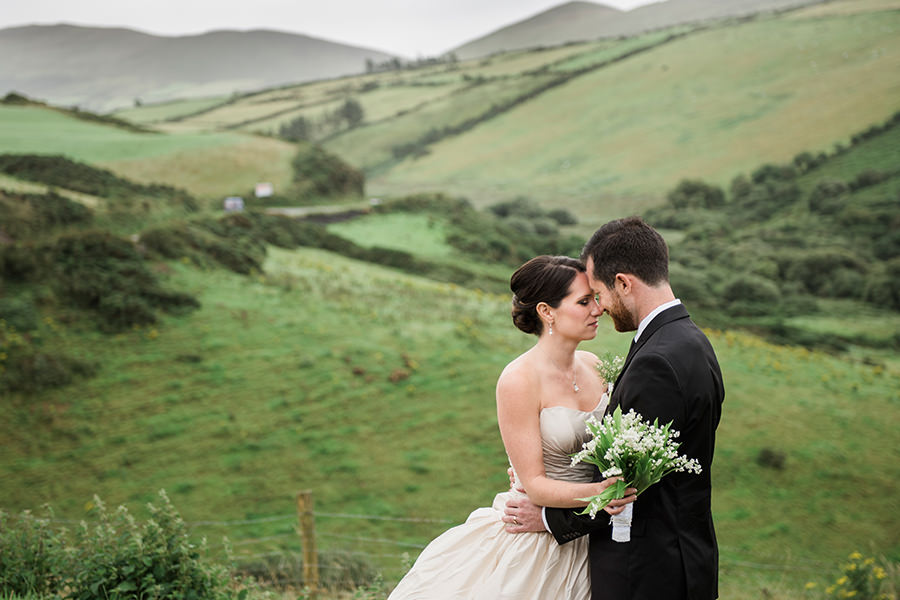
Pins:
<point x="562" y="434"/>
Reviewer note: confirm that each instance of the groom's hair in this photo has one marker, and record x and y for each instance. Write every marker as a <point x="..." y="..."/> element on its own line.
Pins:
<point x="631" y="246"/>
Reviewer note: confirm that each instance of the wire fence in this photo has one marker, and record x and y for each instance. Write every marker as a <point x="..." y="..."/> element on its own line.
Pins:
<point x="789" y="564"/>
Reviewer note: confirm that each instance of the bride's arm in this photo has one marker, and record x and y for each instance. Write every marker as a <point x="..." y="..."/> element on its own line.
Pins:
<point x="518" y="413"/>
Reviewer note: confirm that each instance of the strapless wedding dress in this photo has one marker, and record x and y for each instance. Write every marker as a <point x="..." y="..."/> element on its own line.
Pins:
<point x="479" y="560"/>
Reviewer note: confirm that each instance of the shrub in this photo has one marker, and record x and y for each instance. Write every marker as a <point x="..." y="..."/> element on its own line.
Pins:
<point x="868" y="178"/>
<point x="121" y="558"/>
<point x="30" y="371"/>
<point x="320" y="173"/>
<point x="692" y="193"/>
<point x="19" y="262"/>
<point x="18" y="313"/>
<point x="862" y="579"/>
<point x="815" y="269"/>
<point x="826" y="197"/>
<point x="772" y="172"/>
<point x="105" y="274"/>
<point x="32" y="555"/>
<point x="749" y="295"/>
<point x="519" y="207"/>
<point x="883" y="287"/>
<point x="562" y="216"/>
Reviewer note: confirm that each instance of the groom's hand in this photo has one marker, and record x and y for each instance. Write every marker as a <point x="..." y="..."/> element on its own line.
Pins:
<point x="618" y="505"/>
<point x="521" y="516"/>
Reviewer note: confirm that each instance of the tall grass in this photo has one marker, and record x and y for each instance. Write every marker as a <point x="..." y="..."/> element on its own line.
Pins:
<point x="375" y="390"/>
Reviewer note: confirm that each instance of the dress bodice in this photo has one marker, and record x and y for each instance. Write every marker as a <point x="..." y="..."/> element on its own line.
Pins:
<point x="562" y="434"/>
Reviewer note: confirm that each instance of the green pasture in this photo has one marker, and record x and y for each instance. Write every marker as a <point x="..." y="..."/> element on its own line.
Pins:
<point x="371" y="146"/>
<point x="375" y="390"/>
<point x="215" y="171"/>
<point x="521" y="61"/>
<point x="709" y="105"/>
<point x="149" y="114"/>
<point x="420" y="234"/>
<point x="206" y="164"/>
<point x="28" y="129"/>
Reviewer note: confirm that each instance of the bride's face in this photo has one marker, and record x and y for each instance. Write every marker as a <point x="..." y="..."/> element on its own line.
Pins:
<point x="578" y="312"/>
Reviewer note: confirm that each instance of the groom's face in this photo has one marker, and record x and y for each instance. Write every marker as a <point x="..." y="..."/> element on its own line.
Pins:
<point x="610" y="301"/>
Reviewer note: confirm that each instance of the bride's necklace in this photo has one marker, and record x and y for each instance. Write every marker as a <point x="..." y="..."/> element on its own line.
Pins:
<point x="574" y="372"/>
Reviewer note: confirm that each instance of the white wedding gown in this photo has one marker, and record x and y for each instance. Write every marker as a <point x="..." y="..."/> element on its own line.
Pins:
<point x="479" y="560"/>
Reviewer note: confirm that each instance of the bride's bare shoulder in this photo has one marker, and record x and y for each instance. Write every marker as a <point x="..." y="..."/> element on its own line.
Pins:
<point x="587" y="357"/>
<point x="518" y="376"/>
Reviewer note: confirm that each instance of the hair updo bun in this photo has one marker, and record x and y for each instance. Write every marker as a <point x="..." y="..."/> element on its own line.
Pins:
<point x="541" y="279"/>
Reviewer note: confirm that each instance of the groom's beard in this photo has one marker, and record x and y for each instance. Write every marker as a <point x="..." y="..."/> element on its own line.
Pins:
<point x="621" y="317"/>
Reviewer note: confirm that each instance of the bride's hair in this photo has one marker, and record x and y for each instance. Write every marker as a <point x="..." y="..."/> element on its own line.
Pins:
<point x="541" y="279"/>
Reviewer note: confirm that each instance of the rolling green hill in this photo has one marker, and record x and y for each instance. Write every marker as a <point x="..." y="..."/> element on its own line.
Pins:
<point x="710" y="104"/>
<point x="605" y="127"/>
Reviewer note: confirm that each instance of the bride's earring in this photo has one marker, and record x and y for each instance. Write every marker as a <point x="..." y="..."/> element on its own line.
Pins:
<point x="551" y="327"/>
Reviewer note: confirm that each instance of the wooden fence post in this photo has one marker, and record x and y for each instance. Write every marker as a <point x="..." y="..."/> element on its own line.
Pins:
<point x="308" y="534"/>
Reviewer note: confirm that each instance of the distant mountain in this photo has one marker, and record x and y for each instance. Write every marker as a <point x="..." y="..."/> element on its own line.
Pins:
<point x="581" y="21"/>
<point x="105" y="68"/>
<point x="573" y="21"/>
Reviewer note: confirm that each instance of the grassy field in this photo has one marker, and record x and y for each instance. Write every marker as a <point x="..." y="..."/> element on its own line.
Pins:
<point x="206" y="164"/>
<point x="164" y="111"/>
<point x="375" y="390"/>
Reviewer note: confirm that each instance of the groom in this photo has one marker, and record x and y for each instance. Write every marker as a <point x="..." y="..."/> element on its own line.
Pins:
<point x="670" y="374"/>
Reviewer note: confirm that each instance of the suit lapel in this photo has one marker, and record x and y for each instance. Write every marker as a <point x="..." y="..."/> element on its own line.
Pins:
<point x="667" y="316"/>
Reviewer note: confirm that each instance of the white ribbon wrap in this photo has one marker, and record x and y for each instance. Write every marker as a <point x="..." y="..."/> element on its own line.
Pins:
<point x="621" y="531"/>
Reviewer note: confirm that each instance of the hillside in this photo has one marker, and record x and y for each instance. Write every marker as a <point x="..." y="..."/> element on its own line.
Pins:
<point x="708" y="104"/>
<point x="602" y="128"/>
<point x="266" y="390"/>
<point x="106" y="68"/>
<point x="569" y="22"/>
<point x="583" y="21"/>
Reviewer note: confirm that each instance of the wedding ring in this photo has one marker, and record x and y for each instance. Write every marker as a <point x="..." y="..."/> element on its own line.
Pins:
<point x="515" y="520"/>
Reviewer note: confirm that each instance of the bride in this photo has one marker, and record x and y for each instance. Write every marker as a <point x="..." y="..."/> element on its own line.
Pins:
<point x="544" y="397"/>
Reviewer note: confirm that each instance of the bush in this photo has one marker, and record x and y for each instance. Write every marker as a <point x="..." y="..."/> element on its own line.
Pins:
<point x="827" y="197"/>
<point x="105" y="274"/>
<point x="519" y="207"/>
<point x="121" y="558"/>
<point x="750" y="295"/>
<point x="19" y="262"/>
<point x="883" y="288"/>
<point x="815" y="269"/>
<point x="319" y="173"/>
<point x="562" y="216"/>
<point x="30" y="370"/>
<point x="18" y="313"/>
<point x="862" y="579"/>
<point x="32" y="555"/>
<point x="692" y="193"/>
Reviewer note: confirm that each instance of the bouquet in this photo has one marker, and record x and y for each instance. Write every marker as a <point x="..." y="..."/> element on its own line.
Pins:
<point x="608" y="368"/>
<point x="641" y="453"/>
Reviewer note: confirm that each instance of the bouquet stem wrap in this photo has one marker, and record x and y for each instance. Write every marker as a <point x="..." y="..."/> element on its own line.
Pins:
<point x="621" y="524"/>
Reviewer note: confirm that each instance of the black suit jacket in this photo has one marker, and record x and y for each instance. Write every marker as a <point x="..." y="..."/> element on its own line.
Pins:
<point x="670" y="374"/>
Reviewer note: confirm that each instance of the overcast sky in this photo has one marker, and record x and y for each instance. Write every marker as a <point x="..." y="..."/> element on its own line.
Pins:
<point x="407" y="27"/>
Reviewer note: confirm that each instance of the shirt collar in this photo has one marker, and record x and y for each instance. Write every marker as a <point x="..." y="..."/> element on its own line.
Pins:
<point x="646" y="320"/>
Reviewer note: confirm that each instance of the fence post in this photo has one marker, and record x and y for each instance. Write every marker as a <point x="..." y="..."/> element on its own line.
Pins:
<point x="308" y="534"/>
